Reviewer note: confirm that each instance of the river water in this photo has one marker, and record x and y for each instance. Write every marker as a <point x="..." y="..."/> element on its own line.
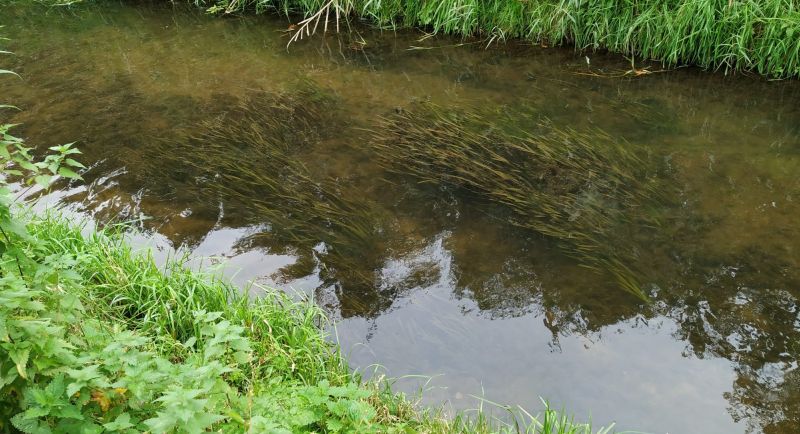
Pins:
<point x="288" y="165"/>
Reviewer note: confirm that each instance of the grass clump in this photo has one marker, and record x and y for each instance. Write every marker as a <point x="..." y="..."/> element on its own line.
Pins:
<point x="162" y="301"/>
<point x="584" y="190"/>
<point x="750" y="35"/>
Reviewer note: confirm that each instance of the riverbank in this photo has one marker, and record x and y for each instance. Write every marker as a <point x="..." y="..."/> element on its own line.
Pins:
<point x="762" y="36"/>
<point x="103" y="338"/>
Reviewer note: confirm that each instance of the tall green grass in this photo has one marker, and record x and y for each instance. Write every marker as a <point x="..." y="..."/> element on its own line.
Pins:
<point x="122" y="284"/>
<point x="752" y="35"/>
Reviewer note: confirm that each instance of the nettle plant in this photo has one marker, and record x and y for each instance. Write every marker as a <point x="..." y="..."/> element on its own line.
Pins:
<point x="62" y="371"/>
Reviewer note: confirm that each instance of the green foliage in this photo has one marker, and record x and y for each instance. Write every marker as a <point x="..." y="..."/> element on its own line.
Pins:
<point x="64" y="372"/>
<point x="95" y="338"/>
<point x="16" y="160"/>
<point x="88" y="337"/>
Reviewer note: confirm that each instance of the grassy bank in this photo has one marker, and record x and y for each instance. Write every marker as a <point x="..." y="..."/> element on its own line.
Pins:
<point x="753" y="35"/>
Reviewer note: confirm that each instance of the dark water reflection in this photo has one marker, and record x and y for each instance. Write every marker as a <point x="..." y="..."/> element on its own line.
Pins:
<point x="431" y="279"/>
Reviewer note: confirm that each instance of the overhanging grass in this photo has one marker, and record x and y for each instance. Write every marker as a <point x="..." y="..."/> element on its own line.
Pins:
<point x="119" y="284"/>
<point x="753" y="35"/>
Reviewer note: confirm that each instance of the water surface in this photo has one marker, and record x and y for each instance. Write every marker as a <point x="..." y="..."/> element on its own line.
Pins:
<point x="179" y="114"/>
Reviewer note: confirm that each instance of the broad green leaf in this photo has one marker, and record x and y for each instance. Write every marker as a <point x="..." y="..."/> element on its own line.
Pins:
<point x="73" y="163"/>
<point x="29" y="426"/>
<point x="27" y="165"/>
<point x="68" y="173"/>
<point x="69" y="412"/>
<point x="122" y="422"/>
<point x="161" y="423"/>
<point x="20" y="358"/>
<point x="43" y="180"/>
<point x="15" y="227"/>
<point x="334" y="425"/>
<point x="190" y="342"/>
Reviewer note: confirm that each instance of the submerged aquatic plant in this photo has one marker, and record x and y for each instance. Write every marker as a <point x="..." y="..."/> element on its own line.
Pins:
<point x="585" y="190"/>
<point x="249" y="159"/>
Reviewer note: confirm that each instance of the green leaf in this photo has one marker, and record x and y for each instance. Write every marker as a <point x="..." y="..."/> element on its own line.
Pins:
<point x="15" y="227"/>
<point x="190" y="342"/>
<point x="201" y="422"/>
<point x="68" y="412"/>
<point x="73" y="388"/>
<point x="68" y="173"/>
<point x="122" y="422"/>
<point x="56" y="387"/>
<point x="29" y="426"/>
<point x="161" y="423"/>
<point x="27" y="165"/>
<point x="73" y="163"/>
<point x="334" y="425"/>
<point x="20" y="358"/>
<point x="43" y="180"/>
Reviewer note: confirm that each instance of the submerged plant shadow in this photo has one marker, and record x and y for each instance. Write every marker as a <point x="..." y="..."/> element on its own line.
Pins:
<point x="583" y="189"/>
<point x="248" y="159"/>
